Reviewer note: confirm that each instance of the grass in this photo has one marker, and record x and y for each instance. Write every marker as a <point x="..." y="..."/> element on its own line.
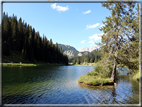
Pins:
<point x="136" y="76"/>
<point x="94" y="78"/>
<point x="18" y="64"/>
<point x="30" y="64"/>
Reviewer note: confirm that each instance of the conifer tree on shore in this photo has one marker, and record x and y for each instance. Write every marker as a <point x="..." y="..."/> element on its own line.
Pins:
<point x="120" y="35"/>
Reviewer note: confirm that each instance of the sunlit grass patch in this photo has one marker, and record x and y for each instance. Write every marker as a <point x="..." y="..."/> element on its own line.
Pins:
<point x="17" y="64"/>
<point x="30" y="64"/>
<point x="136" y="76"/>
<point x="94" y="80"/>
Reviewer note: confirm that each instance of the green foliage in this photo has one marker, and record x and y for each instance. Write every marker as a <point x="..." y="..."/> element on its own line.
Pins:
<point x="93" y="73"/>
<point x="91" y="57"/>
<point x="119" y="43"/>
<point x="19" y="37"/>
<point x="105" y="71"/>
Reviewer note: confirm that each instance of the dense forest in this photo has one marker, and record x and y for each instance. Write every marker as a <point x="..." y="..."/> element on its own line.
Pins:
<point x="92" y="57"/>
<point x="19" y="37"/>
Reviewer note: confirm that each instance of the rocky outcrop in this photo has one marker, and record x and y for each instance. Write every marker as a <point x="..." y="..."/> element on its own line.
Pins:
<point x="79" y="54"/>
<point x="88" y="49"/>
<point x="69" y="53"/>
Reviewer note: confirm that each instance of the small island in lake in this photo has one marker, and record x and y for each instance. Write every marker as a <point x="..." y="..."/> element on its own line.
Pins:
<point x="95" y="78"/>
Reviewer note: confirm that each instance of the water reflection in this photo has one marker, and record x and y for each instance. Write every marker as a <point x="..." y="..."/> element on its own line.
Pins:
<point x="59" y="85"/>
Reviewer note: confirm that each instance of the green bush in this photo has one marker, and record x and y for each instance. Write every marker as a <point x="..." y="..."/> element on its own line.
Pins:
<point x="103" y="71"/>
<point x="93" y="73"/>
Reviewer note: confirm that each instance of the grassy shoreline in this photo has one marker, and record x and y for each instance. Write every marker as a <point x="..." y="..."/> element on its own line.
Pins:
<point x="30" y="64"/>
<point x="136" y="76"/>
<point x="95" y="81"/>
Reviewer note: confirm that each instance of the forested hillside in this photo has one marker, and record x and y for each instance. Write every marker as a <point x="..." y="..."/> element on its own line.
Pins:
<point x="20" y="38"/>
<point x="91" y="57"/>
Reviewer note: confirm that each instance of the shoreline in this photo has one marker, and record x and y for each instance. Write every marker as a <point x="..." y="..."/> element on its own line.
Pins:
<point x="31" y="64"/>
<point x="136" y="76"/>
<point x="105" y="84"/>
<point x="88" y="64"/>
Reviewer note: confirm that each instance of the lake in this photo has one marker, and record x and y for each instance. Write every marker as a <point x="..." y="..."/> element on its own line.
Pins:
<point x="59" y="85"/>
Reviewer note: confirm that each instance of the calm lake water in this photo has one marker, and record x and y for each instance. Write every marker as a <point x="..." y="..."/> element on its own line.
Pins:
<point x="59" y="85"/>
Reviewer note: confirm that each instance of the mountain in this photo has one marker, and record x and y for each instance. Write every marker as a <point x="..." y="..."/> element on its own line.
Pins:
<point x="88" y="49"/>
<point x="90" y="57"/>
<point x="71" y="51"/>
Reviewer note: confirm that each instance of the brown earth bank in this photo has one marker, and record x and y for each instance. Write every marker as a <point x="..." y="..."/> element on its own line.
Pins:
<point x="104" y="84"/>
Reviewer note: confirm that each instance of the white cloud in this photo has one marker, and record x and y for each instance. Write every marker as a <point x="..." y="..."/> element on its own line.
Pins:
<point x="59" y="8"/>
<point x="90" y="41"/>
<point x="96" y="36"/>
<point x="83" y="41"/>
<point x="92" y="26"/>
<point x="89" y="11"/>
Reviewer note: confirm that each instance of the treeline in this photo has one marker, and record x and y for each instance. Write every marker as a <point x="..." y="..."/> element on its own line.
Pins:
<point x="92" y="57"/>
<point x="18" y="36"/>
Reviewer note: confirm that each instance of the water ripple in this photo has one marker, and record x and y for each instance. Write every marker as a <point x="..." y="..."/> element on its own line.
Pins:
<point x="59" y="85"/>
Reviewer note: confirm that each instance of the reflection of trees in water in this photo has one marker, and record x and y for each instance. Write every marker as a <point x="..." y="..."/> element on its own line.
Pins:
<point x="101" y="88"/>
<point x="122" y="70"/>
<point x="101" y="94"/>
<point x="114" y="95"/>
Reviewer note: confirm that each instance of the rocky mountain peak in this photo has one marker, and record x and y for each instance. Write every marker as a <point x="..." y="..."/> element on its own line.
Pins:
<point x="88" y="49"/>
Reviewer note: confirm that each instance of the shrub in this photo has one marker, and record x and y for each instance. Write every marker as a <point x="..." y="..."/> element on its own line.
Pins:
<point x="104" y="71"/>
<point x="93" y="73"/>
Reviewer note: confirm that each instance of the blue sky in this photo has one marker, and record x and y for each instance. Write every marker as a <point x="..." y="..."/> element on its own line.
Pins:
<point x="74" y="24"/>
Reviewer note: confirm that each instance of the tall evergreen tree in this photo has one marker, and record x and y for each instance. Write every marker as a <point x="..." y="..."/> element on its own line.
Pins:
<point x="113" y="38"/>
<point x="20" y="35"/>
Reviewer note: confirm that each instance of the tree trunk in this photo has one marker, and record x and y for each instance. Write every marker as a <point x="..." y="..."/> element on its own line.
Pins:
<point x="113" y="75"/>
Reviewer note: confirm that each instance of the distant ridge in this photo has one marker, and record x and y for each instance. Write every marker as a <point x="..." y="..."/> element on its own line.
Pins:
<point x="88" y="49"/>
<point x="70" y="51"/>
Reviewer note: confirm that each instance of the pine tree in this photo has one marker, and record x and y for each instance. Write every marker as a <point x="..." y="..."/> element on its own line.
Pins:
<point x="20" y="35"/>
<point x="130" y="51"/>
<point x="5" y="35"/>
<point x="113" y="38"/>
